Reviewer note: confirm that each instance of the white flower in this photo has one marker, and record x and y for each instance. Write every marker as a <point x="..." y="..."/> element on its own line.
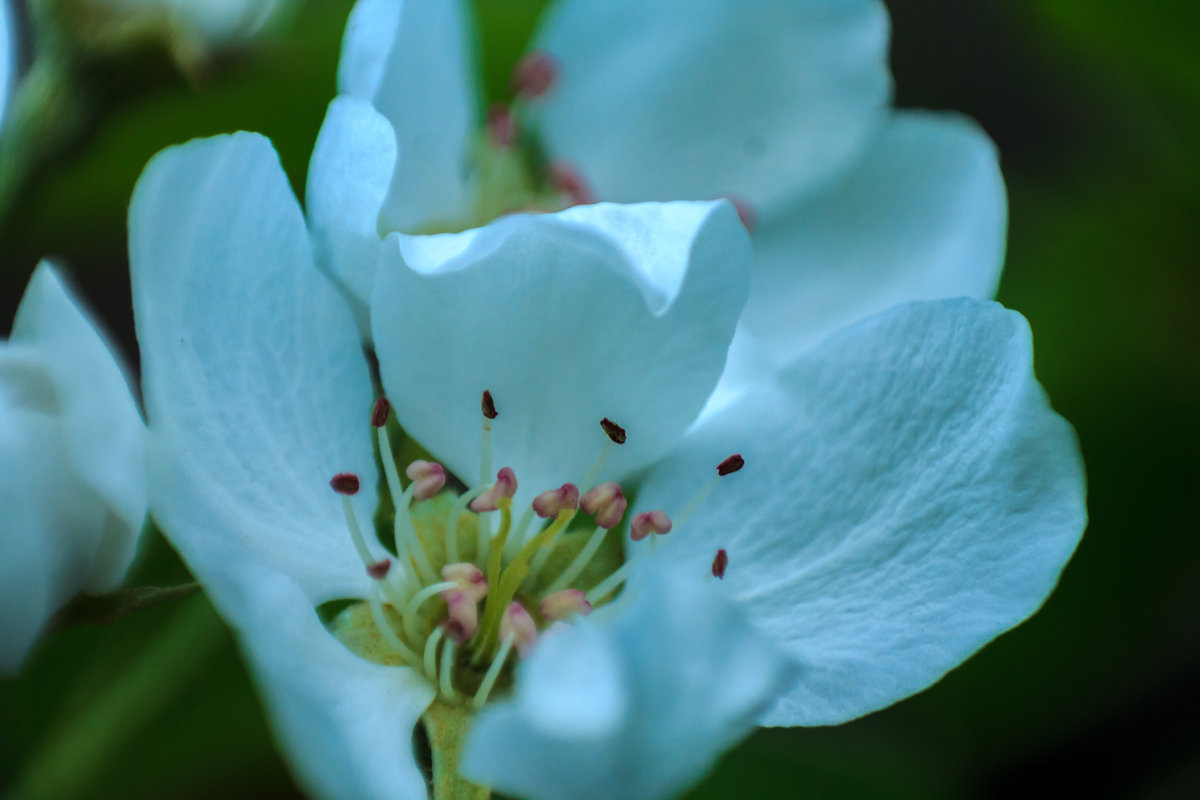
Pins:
<point x="908" y="493"/>
<point x="71" y="452"/>
<point x="782" y="106"/>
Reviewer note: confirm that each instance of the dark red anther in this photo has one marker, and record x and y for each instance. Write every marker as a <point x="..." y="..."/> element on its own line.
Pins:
<point x="488" y="405"/>
<point x="345" y="483"/>
<point x="614" y="431"/>
<point x="731" y="465"/>
<point x="534" y="74"/>
<point x="379" y="414"/>
<point x="720" y="562"/>
<point x="379" y="569"/>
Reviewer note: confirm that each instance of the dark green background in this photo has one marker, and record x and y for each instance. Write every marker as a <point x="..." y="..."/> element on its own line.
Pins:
<point x="1095" y="106"/>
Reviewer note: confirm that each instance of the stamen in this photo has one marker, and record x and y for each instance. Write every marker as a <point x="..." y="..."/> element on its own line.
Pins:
<point x="648" y="522"/>
<point x="468" y="579"/>
<point x="534" y="74"/>
<point x="616" y="435"/>
<point x="444" y="681"/>
<point x="726" y="467"/>
<point x="407" y="541"/>
<point x="428" y="476"/>
<point x="431" y="644"/>
<point x="602" y="589"/>
<point x="580" y="561"/>
<point x="456" y="511"/>
<point x="497" y="552"/>
<point x="720" y="562"/>
<point x="550" y="502"/>
<point x="379" y="569"/>
<point x="388" y="634"/>
<point x="463" y="618"/>
<point x="489" y="679"/>
<point x="520" y="627"/>
<point x="356" y="534"/>
<point x="614" y="431"/>
<point x="606" y="502"/>
<point x="410" y="617"/>
<point x="379" y="414"/>
<point x="564" y="605"/>
<point x="504" y="488"/>
<point x="501" y="125"/>
<point x="487" y="407"/>
<point x="570" y="182"/>
<point x="517" y="537"/>
<point x="344" y="483"/>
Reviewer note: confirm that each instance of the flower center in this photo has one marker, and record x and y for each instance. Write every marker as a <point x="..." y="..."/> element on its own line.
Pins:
<point x="467" y="587"/>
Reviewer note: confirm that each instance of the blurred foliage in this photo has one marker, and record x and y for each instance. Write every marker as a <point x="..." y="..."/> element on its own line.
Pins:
<point x="1095" y="106"/>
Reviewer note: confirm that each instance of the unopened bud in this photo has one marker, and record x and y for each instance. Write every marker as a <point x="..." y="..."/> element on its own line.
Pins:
<point x="720" y="562"/>
<point x="606" y="502"/>
<point x="428" y="478"/>
<point x="462" y="618"/>
<point x="564" y="605"/>
<point x="549" y="503"/>
<point x="534" y="74"/>
<point x="731" y="465"/>
<point x="345" y="483"/>
<point x="648" y="522"/>
<point x="517" y="623"/>
<point x="504" y="488"/>
<point x="470" y="579"/>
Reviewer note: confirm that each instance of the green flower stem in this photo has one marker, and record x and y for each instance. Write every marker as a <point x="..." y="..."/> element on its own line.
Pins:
<point x="68" y="762"/>
<point x="447" y="726"/>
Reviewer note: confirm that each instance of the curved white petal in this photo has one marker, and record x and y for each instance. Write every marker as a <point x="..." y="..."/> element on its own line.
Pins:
<point x="623" y="312"/>
<point x="636" y="707"/>
<point x="348" y="179"/>
<point x="8" y="54"/>
<point x="252" y="365"/>
<point x="345" y="723"/>
<point x="51" y="522"/>
<point x="102" y="428"/>
<point x="921" y="217"/>
<point x="693" y="99"/>
<point x="908" y="495"/>
<point x="425" y="86"/>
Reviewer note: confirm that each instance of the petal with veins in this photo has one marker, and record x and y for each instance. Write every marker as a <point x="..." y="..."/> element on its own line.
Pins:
<point x="252" y="366"/>
<point x="908" y="495"/>
<point x="693" y="99"/>
<point x="605" y="311"/>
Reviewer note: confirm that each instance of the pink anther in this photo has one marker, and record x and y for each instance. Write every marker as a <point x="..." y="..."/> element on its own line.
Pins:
<point x="428" y="477"/>
<point x="552" y="501"/>
<point x="570" y="181"/>
<point x="462" y="618"/>
<point x="607" y="502"/>
<point x="504" y="488"/>
<point x="534" y="74"/>
<point x="517" y="623"/>
<point x="648" y="522"/>
<point x="469" y="578"/>
<point x="564" y="605"/>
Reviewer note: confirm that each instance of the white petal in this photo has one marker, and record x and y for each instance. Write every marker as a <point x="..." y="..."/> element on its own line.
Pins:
<point x="603" y="311"/>
<point x="348" y="179"/>
<point x="8" y="54"/>
<point x="366" y="45"/>
<point x="345" y="724"/>
<point x="921" y="217"/>
<point x="692" y="675"/>
<point x="103" y="430"/>
<point x="252" y="366"/>
<point x="908" y="495"/>
<point x="694" y="99"/>
<point x="426" y="88"/>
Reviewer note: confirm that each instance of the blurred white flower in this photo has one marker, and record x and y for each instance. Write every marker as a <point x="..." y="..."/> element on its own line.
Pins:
<point x="908" y="493"/>
<point x="783" y="107"/>
<point x="73" y="497"/>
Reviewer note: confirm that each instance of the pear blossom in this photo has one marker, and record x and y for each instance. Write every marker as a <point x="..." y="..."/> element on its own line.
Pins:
<point x="73" y="497"/>
<point x="831" y="541"/>
<point x="782" y="107"/>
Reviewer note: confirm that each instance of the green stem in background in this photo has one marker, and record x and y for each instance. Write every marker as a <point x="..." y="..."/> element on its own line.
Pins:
<point x="66" y="764"/>
<point x="447" y="726"/>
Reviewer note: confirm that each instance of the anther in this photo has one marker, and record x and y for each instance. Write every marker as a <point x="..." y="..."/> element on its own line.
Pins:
<point x="463" y="618"/>
<point x="517" y="623"/>
<point x="550" y="502"/>
<point x="469" y="580"/>
<point x="380" y="569"/>
<point x="501" y="125"/>
<point x="720" y="562"/>
<point x="648" y="522"/>
<point x="614" y="431"/>
<point x="731" y="465"/>
<point x="606" y="502"/>
<point x="379" y="414"/>
<point x="345" y="483"/>
<point x="564" y="605"/>
<point x="504" y="488"/>
<point x="488" y="405"/>
<point x="570" y="181"/>
<point x="428" y="476"/>
<point x="534" y="74"/>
